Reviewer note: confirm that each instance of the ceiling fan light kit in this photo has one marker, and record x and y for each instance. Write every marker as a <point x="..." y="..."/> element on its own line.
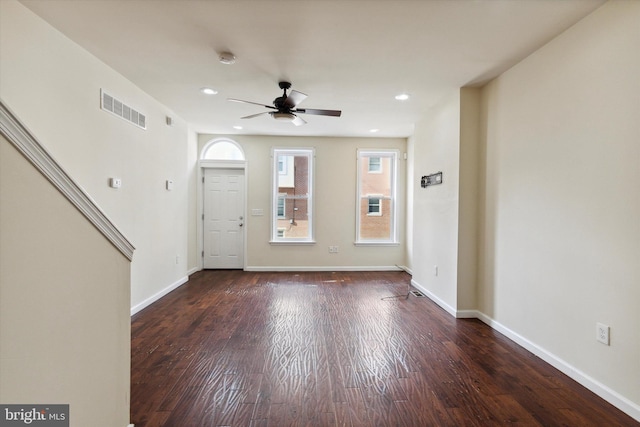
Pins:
<point x="287" y="117"/>
<point x="285" y="107"/>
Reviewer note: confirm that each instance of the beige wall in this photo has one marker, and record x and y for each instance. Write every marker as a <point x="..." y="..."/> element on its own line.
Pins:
<point x="335" y="204"/>
<point x="53" y="86"/>
<point x="536" y="224"/>
<point x="64" y="303"/>
<point x="560" y="221"/>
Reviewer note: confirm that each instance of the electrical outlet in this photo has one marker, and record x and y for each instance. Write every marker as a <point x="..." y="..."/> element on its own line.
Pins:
<point x="435" y="270"/>
<point x="333" y="249"/>
<point x="602" y="333"/>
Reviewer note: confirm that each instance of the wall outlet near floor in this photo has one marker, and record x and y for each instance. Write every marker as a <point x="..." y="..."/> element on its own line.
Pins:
<point x="602" y="333"/>
<point x="333" y="249"/>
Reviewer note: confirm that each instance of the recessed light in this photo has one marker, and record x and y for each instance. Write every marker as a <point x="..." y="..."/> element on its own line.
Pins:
<point x="374" y="130"/>
<point x="237" y="127"/>
<point x="208" y="91"/>
<point x="402" y="97"/>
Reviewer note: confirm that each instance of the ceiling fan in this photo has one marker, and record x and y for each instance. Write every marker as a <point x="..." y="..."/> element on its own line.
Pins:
<point x="285" y="107"/>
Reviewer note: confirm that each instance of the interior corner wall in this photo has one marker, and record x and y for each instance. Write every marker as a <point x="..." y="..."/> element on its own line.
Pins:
<point x="413" y="181"/>
<point x="192" y="216"/>
<point x="560" y="217"/>
<point x="53" y="86"/>
<point x="64" y="303"/>
<point x="468" y="199"/>
<point x="436" y="148"/>
<point x="335" y="205"/>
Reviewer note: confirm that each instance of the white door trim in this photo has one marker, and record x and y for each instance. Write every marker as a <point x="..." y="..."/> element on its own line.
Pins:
<point x="218" y="164"/>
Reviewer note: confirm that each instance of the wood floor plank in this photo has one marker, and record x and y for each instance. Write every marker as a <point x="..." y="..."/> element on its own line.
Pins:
<point x="233" y="348"/>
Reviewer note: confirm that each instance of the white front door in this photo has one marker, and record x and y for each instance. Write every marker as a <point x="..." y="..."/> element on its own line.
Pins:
<point x="224" y="218"/>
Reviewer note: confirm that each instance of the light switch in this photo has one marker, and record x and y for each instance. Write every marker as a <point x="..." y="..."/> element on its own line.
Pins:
<point x="169" y="185"/>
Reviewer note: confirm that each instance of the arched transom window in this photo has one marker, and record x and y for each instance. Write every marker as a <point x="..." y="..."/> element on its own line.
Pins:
<point x="222" y="149"/>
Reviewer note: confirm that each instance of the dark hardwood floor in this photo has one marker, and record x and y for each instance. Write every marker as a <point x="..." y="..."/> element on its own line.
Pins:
<point x="232" y="348"/>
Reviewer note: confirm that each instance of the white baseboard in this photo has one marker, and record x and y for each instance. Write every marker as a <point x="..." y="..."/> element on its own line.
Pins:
<point x="625" y="405"/>
<point x="405" y="269"/>
<point x="434" y="298"/>
<point x="136" y="308"/>
<point x="467" y="314"/>
<point x="323" y="268"/>
<point x="193" y="270"/>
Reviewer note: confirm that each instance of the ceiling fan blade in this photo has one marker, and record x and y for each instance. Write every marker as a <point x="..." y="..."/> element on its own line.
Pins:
<point x="294" y="98"/>
<point x="254" y="115"/>
<point x="298" y="121"/>
<point x="333" y="113"/>
<point x="250" y="102"/>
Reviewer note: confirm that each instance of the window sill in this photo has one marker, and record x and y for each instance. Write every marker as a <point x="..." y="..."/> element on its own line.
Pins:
<point x="292" y="242"/>
<point x="376" y="243"/>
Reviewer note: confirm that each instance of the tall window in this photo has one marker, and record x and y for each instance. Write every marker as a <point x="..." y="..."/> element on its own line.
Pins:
<point x="376" y="216"/>
<point x="292" y="195"/>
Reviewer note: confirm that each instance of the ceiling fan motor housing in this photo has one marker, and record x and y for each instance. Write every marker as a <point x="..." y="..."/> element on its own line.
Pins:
<point x="279" y="103"/>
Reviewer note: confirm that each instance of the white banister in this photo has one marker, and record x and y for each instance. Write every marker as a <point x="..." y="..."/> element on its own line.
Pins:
<point x="18" y="135"/>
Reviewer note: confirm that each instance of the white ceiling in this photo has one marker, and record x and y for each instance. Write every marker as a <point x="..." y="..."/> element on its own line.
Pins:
<point x="352" y="55"/>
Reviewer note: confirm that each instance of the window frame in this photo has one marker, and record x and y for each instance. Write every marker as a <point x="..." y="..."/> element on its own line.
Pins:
<point x="392" y="199"/>
<point x="276" y="173"/>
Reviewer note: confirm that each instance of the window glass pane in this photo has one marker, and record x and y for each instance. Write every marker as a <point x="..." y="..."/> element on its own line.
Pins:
<point x="293" y="192"/>
<point x="376" y="186"/>
<point x="223" y="150"/>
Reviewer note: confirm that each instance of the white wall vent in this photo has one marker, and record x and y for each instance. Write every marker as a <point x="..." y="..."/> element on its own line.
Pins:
<point x="114" y="106"/>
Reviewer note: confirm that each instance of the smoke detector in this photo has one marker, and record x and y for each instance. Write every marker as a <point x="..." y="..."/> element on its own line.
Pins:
<point x="227" y="58"/>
